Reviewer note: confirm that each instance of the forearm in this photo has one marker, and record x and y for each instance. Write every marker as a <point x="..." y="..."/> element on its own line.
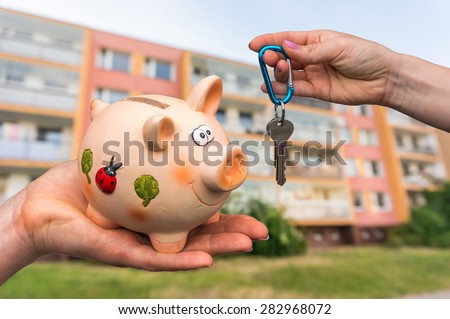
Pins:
<point x="421" y="90"/>
<point x="16" y="249"/>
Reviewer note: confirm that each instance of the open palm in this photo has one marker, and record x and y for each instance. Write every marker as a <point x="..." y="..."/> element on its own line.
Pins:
<point x="53" y="217"/>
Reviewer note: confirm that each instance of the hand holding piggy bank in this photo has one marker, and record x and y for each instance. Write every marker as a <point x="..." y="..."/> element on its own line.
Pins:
<point x="159" y="165"/>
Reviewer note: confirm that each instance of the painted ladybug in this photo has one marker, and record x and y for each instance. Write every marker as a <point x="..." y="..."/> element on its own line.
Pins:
<point x="106" y="179"/>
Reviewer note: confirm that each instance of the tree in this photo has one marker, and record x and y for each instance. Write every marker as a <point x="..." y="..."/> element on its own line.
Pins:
<point x="429" y="224"/>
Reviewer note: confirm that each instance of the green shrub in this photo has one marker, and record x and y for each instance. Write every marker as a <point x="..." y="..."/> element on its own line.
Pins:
<point x="429" y="225"/>
<point x="284" y="239"/>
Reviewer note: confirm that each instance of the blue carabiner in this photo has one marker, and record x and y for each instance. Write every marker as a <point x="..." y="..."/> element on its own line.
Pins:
<point x="265" y="74"/>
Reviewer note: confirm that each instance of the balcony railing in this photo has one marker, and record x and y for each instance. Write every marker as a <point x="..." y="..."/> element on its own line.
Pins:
<point x="261" y="169"/>
<point x="311" y="102"/>
<point x="421" y="150"/>
<point x="45" y="51"/>
<point x="303" y="210"/>
<point x="321" y="171"/>
<point x="423" y="179"/>
<point x="22" y="95"/>
<point x="312" y="133"/>
<point x="402" y="119"/>
<point x="234" y="87"/>
<point x="34" y="151"/>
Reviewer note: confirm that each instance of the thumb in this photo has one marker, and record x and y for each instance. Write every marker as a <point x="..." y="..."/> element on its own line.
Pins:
<point x="314" y="53"/>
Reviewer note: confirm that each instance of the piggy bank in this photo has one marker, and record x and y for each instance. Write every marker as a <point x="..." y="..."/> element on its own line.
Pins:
<point x="158" y="165"/>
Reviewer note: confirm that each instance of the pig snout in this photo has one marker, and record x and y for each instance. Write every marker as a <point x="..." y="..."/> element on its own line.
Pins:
<point x="231" y="172"/>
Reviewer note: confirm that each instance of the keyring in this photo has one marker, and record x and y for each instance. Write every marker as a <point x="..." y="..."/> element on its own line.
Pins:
<point x="265" y="74"/>
<point x="280" y="118"/>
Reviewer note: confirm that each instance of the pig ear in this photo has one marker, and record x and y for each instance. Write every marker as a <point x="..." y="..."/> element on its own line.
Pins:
<point x="206" y="94"/>
<point x="157" y="131"/>
<point x="97" y="107"/>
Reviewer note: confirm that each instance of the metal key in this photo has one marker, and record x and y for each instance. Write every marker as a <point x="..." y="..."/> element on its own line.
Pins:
<point x="280" y="132"/>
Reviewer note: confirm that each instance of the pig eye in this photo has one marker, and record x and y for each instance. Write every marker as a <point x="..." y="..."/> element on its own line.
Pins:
<point x="208" y="131"/>
<point x="200" y="137"/>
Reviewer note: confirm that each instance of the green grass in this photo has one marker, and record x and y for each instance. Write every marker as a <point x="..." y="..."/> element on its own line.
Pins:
<point x="373" y="272"/>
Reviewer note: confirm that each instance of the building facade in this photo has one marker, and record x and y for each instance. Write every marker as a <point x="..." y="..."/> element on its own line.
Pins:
<point x="43" y="67"/>
<point x="120" y="66"/>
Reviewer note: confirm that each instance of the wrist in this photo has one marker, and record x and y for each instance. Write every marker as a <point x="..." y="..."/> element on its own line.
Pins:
<point x="16" y="245"/>
<point x="396" y="86"/>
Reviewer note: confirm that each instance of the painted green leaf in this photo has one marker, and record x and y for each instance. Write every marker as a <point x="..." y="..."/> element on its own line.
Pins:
<point x="146" y="187"/>
<point x="86" y="163"/>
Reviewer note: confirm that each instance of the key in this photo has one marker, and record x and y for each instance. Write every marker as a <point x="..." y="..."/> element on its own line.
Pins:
<point x="280" y="134"/>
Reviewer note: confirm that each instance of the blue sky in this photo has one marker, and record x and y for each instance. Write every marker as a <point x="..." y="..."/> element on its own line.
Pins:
<point x="224" y="28"/>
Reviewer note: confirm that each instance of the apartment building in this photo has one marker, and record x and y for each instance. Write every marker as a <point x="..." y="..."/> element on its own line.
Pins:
<point x="373" y="195"/>
<point x="417" y="155"/>
<point x="42" y="68"/>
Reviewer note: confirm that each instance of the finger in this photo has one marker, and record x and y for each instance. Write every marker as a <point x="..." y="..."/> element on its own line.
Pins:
<point x="281" y="71"/>
<point x="235" y="224"/>
<point x="219" y="244"/>
<point x="272" y="38"/>
<point x="271" y="58"/>
<point x="128" y="251"/>
<point x="299" y="37"/>
<point x="315" y="53"/>
<point x="301" y="88"/>
<point x="119" y="247"/>
<point x="185" y="260"/>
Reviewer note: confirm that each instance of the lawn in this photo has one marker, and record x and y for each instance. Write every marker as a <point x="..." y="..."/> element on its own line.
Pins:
<point x="367" y="272"/>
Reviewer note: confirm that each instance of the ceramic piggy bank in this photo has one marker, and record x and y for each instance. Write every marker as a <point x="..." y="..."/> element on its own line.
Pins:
<point x="159" y="165"/>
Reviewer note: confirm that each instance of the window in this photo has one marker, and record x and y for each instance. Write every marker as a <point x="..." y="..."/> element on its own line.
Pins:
<point x="367" y="138"/>
<point x="16" y="72"/>
<point x="49" y="135"/>
<point x="242" y="81"/>
<point x="346" y="134"/>
<point x="415" y="142"/>
<point x="406" y="169"/>
<point x="112" y="60"/>
<point x="363" y="110"/>
<point x="110" y="96"/>
<point x="221" y="117"/>
<point x="159" y="69"/>
<point x="352" y="169"/>
<point x="373" y="168"/>
<point x="246" y="121"/>
<point x="399" y="139"/>
<point x="380" y="201"/>
<point x="341" y="108"/>
<point x="54" y="84"/>
<point x="200" y="71"/>
<point x="358" y="201"/>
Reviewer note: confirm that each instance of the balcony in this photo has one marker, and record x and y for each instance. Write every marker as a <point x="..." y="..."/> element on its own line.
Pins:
<point x="310" y="102"/>
<point x="305" y="132"/>
<point x="318" y="209"/>
<point x="423" y="179"/>
<point x="401" y="119"/>
<point x="37" y="38"/>
<point x="44" y="51"/>
<point x="317" y="172"/>
<point x="34" y="151"/>
<point x="46" y="98"/>
<point x="427" y="149"/>
<point x="234" y="86"/>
